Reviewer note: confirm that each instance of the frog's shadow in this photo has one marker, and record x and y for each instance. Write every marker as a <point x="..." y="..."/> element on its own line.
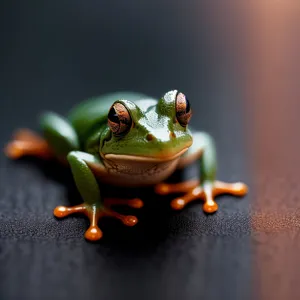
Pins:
<point x="154" y="217"/>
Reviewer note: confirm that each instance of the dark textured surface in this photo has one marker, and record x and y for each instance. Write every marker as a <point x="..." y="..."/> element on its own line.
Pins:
<point x="52" y="57"/>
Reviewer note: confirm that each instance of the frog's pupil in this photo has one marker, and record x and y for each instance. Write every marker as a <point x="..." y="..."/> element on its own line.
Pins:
<point x="113" y="116"/>
<point x="188" y="107"/>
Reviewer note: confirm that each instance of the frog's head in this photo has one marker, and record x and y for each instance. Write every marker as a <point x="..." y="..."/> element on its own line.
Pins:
<point x="148" y="130"/>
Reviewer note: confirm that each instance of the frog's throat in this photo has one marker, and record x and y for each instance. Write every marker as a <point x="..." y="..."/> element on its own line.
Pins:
<point x="136" y="158"/>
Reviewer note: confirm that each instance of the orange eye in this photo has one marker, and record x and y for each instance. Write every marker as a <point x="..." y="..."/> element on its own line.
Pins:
<point x="119" y="120"/>
<point x="183" y="109"/>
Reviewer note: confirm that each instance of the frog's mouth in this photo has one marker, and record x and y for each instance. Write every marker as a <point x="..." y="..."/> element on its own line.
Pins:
<point x="153" y="159"/>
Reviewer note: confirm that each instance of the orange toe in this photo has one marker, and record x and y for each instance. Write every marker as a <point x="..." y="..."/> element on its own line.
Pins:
<point x="210" y="207"/>
<point x="178" y="204"/>
<point x="94" y="233"/>
<point x="130" y="220"/>
<point x="60" y="211"/>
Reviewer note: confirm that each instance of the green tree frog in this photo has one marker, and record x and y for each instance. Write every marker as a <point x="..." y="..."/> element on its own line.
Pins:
<point x="126" y="139"/>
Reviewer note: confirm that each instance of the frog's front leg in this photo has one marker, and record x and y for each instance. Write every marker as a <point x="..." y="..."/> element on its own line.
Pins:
<point x="94" y="207"/>
<point x="209" y="187"/>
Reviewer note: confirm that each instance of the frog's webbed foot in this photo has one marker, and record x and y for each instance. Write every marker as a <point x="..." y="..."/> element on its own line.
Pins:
<point x="26" y="142"/>
<point x="207" y="192"/>
<point x="96" y="212"/>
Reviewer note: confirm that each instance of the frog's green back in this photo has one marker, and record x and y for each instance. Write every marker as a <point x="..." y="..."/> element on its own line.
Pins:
<point x="93" y="112"/>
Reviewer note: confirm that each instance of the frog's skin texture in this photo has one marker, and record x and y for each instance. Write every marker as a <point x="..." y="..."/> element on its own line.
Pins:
<point x="126" y="139"/>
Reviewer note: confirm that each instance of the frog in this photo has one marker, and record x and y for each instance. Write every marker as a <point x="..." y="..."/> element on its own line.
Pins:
<point x="127" y="139"/>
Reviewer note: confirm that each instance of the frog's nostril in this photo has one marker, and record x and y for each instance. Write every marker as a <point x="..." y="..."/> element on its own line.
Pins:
<point x="149" y="137"/>
<point x="172" y="135"/>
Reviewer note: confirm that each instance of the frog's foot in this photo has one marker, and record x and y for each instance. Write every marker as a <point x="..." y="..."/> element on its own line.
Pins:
<point x="94" y="213"/>
<point x="206" y="192"/>
<point x="25" y="142"/>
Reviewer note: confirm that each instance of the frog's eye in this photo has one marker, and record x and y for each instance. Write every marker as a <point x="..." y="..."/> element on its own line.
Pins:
<point x="119" y="120"/>
<point x="183" y="109"/>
